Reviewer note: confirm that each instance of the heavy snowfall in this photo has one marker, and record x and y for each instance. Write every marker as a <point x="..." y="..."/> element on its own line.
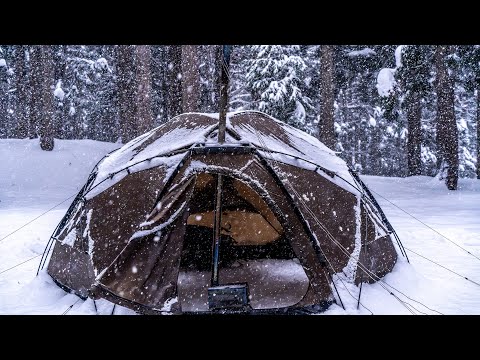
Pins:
<point x="404" y="117"/>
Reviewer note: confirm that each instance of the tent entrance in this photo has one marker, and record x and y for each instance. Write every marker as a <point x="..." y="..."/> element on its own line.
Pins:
<point x="253" y="250"/>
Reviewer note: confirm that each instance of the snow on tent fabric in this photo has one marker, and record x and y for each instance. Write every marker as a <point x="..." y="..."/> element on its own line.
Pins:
<point x="140" y="232"/>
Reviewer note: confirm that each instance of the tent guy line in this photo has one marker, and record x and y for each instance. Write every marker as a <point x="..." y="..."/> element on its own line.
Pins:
<point x="429" y="227"/>
<point x="23" y="262"/>
<point x="36" y="218"/>
<point x="436" y="263"/>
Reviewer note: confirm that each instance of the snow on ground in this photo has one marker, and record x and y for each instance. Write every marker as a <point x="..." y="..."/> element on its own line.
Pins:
<point x="33" y="181"/>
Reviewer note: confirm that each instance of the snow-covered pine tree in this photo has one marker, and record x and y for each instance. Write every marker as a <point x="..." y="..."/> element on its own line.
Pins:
<point x="46" y="92"/>
<point x="240" y="97"/>
<point x="465" y="114"/>
<point x="86" y="89"/>
<point x="4" y="87"/>
<point x="159" y="84"/>
<point x="8" y="126"/>
<point x="35" y="86"/>
<point x="368" y="138"/>
<point x="311" y="80"/>
<point x="469" y="80"/>
<point x="275" y="80"/>
<point x="208" y="75"/>
<point x="412" y="74"/>
<point x="22" y="93"/>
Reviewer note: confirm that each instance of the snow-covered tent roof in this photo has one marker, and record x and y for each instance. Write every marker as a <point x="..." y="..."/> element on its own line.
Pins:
<point x="165" y="145"/>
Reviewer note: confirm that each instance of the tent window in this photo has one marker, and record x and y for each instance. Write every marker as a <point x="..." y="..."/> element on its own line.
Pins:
<point x="253" y="248"/>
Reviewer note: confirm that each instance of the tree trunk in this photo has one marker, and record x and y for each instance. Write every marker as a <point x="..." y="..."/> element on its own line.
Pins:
<point x="362" y="148"/>
<point x="144" y="114"/>
<point x="47" y="88"/>
<point x="414" y="139"/>
<point x="22" y="98"/>
<point x="447" y="133"/>
<point x="4" y="126"/>
<point x="61" y="107"/>
<point x="190" y="79"/>
<point x="224" y="62"/>
<point x="126" y="92"/>
<point x="174" y="83"/>
<point x="159" y="90"/>
<point x="478" y="133"/>
<point x="326" y="125"/>
<point x="375" y="160"/>
<point x="35" y="84"/>
<point x="209" y="97"/>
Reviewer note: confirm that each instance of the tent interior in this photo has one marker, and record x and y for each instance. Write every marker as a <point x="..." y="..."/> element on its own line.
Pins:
<point x="253" y="248"/>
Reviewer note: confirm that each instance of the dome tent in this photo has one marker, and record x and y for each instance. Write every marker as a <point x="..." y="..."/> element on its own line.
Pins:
<point x="289" y="215"/>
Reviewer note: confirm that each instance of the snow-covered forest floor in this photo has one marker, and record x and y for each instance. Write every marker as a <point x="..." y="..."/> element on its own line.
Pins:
<point x="33" y="181"/>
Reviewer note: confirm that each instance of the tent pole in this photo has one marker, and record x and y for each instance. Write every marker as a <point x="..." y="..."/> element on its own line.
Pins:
<point x="224" y="62"/>
<point x="217" y="229"/>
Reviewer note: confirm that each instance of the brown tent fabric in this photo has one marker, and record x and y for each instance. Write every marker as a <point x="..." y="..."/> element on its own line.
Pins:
<point x="290" y="210"/>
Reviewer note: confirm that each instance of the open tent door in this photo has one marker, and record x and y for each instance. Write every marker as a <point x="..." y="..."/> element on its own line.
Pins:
<point x="256" y="263"/>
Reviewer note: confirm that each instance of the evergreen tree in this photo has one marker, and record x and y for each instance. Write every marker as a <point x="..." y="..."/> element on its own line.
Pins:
<point x="274" y="78"/>
<point x="240" y="95"/>
<point x="174" y="81"/>
<point x="447" y="133"/>
<point x="126" y="91"/>
<point x="4" y="86"/>
<point x="190" y="79"/>
<point x="143" y="115"/>
<point x="22" y="92"/>
<point x="413" y="74"/>
<point x="470" y="79"/>
<point x="326" y="124"/>
<point x="46" y="78"/>
<point x="360" y="123"/>
<point x="35" y="86"/>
